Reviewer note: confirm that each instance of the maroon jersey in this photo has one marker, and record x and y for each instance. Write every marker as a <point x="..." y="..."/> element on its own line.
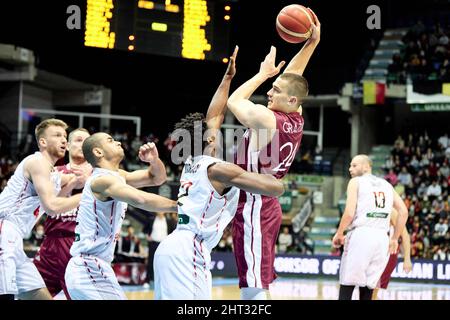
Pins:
<point x="62" y="224"/>
<point x="258" y="218"/>
<point x="278" y="155"/>
<point x="54" y="254"/>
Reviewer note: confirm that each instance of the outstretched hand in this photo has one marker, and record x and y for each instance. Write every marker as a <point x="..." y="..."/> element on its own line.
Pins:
<point x="148" y="152"/>
<point x="81" y="173"/>
<point x="267" y="67"/>
<point x="315" y="36"/>
<point x="231" y="69"/>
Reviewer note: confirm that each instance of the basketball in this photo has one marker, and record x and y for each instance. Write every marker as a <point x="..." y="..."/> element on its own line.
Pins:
<point x="294" y="23"/>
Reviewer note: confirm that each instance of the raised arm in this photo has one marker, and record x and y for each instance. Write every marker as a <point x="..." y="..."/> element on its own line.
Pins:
<point x="39" y="172"/>
<point x="349" y="212"/>
<point x="218" y="106"/>
<point x="155" y="175"/>
<point x="228" y="174"/>
<point x="252" y="115"/>
<point x="300" y="60"/>
<point x="113" y="187"/>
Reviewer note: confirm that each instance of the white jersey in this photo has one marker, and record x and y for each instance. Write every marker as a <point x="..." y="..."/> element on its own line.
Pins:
<point x="375" y="202"/>
<point x="98" y="222"/>
<point x="19" y="202"/>
<point x="201" y="209"/>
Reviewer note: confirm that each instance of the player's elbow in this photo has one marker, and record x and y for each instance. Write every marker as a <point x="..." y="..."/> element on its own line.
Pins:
<point x="159" y="180"/>
<point x="279" y="189"/>
<point x="50" y="209"/>
<point x="138" y="201"/>
<point x="232" y="103"/>
<point x="348" y="214"/>
<point x="403" y="213"/>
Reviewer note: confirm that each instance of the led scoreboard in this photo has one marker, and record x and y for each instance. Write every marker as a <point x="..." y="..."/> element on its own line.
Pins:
<point x="193" y="29"/>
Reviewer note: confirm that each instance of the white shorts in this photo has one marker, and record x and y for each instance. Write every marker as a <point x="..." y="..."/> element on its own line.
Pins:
<point x="366" y="253"/>
<point x="181" y="267"/>
<point x="18" y="274"/>
<point x="90" y="278"/>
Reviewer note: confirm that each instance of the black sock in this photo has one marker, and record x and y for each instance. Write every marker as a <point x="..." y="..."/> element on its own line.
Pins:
<point x="6" y="297"/>
<point x="365" y="293"/>
<point x="346" y="292"/>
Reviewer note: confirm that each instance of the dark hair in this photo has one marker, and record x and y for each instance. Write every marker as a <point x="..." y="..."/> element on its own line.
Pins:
<point x="88" y="145"/>
<point x="195" y="124"/>
<point x="297" y="85"/>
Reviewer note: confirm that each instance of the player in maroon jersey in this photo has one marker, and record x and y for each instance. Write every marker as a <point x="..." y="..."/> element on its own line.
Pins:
<point x="392" y="263"/>
<point x="269" y="146"/>
<point x="53" y="255"/>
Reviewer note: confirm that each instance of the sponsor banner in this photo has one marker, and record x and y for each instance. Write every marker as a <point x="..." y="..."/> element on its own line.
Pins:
<point x="428" y="107"/>
<point x="223" y="265"/>
<point x="428" y="92"/>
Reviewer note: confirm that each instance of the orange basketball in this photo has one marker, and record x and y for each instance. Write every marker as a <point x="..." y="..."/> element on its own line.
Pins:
<point x="294" y="23"/>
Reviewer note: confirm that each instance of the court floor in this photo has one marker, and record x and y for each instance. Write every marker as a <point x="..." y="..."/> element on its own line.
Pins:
<point x="311" y="289"/>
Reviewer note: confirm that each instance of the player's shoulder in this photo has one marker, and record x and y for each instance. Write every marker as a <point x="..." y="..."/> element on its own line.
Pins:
<point x="385" y="182"/>
<point x="36" y="162"/>
<point x="203" y="161"/>
<point x="354" y="182"/>
<point x="289" y="123"/>
<point x="104" y="179"/>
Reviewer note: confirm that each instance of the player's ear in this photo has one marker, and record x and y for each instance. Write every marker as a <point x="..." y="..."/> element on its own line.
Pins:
<point x="98" y="153"/>
<point x="292" y="101"/>
<point x="42" y="142"/>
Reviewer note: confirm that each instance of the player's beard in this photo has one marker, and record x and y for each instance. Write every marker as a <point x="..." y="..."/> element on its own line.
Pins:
<point x="57" y="152"/>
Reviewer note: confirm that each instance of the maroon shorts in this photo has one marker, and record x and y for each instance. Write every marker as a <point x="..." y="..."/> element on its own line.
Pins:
<point x="51" y="260"/>
<point x="386" y="276"/>
<point x="255" y="231"/>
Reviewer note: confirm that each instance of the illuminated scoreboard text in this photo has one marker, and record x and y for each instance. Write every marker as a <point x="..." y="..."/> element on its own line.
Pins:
<point x="193" y="29"/>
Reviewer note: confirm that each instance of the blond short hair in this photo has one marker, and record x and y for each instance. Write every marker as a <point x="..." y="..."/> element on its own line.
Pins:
<point x="41" y="127"/>
<point x="297" y="85"/>
<point x="76" y="130"/>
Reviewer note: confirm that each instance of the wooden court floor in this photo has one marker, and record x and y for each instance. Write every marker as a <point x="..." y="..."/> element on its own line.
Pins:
<point x="311" y="289"/>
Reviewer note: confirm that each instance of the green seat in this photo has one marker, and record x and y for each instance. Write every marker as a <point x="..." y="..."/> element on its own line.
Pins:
<point x="286" y="201"/>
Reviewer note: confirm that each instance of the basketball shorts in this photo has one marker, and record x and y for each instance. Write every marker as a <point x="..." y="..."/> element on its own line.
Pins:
<point x="366" y="253"/>
<point x="18" y="274"/>
<point x="181" y="267"/>
<point x="90" y="278"/>
<point x="51" y="261"/>
<point x="255" y="231"/>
